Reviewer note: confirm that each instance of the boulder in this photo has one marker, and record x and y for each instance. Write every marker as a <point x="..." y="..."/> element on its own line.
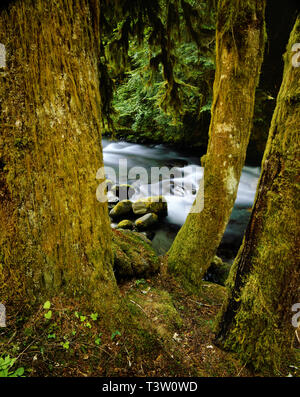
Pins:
<point x="155" y="204"/>
<point x="125" y="224"/>
<point x="217" y="272"/>
<point x="123" y="208"/>
<point x="133" y="255"/>
<point x="146" y="221"/>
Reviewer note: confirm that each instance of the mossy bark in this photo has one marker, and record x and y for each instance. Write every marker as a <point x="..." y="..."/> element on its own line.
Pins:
<point x="256" y="320"/>
<point x="54" y="234"/>
<point x="240" y="41"/>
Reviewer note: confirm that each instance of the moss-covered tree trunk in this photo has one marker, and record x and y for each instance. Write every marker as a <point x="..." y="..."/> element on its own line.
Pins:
<point x="54" y="234"/>
<point x="256" y="321"/>
<point x="240" y="40"/>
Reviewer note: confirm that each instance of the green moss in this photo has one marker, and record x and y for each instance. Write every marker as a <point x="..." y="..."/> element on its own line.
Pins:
<point x="155" y="204"/>
<point x="123" y="208"/>
<point x="125" y="224"/>
<point x="133" y="255"/>
<point x="147" y="221"/>
<point x="158" y="306"/>
<point x="218" y="271"/>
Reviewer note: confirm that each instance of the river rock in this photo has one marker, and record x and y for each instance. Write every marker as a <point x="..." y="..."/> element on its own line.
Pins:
<point x="146" y="221"/>
<point x="125" y="224"/>
<point x="133" y="255"/>
<point x="123" y="208"/>
<point x="155" y="204"/>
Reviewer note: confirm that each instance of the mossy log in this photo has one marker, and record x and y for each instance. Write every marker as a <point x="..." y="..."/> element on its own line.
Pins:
<point x="240" y="38"/>
<point x="256" y="320"/>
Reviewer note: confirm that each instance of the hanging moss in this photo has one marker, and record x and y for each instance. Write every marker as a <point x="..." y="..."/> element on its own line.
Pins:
<point x="160" y="26"/>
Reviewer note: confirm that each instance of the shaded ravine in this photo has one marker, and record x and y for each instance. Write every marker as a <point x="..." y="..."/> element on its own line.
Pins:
<point x="180" y="199"/>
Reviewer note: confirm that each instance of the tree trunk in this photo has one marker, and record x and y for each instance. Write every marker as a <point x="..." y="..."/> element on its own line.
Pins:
<point x="256" y="321"/>
<point x="54" y="234"/>
<point x="239" y="52"/>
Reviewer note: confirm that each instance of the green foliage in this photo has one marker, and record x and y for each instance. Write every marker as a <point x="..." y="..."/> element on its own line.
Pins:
<point x="47" y="305"/>
<point x="6" y="364"/>
<point x="48" y="315"/>
<point x="94" y="316"/>
<point x="141" y="281"/>
<point x="163" y="92"/>
<point x="65" y="345"/>
<point x="98" y="340"/>
<point x="115" y="334"/>
<point x="138" y="114"/>
<point x="158" y="24"/>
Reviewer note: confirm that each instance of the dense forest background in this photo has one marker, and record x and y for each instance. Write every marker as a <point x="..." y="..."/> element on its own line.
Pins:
<point x="139" y="90"/>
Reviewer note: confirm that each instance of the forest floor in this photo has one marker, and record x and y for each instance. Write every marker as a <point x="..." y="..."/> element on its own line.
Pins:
<point x="169" y="332"/>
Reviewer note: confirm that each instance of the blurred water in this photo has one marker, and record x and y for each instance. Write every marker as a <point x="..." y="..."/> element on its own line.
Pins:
<point x="182" y="186"/>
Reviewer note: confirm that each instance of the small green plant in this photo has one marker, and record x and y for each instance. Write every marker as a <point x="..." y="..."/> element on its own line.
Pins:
<point x="94" y="316"/>
<point x="6" y="364"/>
<point x="65" y="345"/>
<point x="114" y="334"/>
<point x="98" y="339"/>
<point x="47" y="305"/>
<point x="48" y="315"/>
<point x="141" y="281"/>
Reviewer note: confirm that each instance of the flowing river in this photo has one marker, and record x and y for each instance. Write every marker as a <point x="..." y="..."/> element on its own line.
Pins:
<point x="132" y="159"/>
